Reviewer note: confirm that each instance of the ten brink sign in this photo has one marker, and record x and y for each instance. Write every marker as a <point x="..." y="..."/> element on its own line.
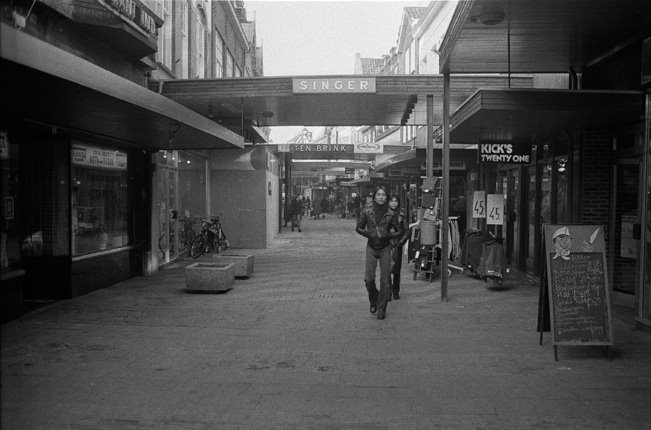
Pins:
<point x="513" y="153"/>
<point x="325" y="147"/>
<point x="341" y="85"/>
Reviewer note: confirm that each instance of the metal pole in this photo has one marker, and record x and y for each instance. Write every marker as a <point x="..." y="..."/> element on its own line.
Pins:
<point x="646" y="167"/>
<point x="430" y="139"/>
<point x="445" y="206"/>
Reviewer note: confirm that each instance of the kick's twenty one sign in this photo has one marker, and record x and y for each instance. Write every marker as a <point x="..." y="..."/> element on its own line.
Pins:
<point x="509" y="153"/>
<point x="333" y="85"/>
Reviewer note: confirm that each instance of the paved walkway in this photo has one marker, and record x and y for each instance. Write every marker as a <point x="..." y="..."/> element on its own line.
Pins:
<point x="294" y="347"/>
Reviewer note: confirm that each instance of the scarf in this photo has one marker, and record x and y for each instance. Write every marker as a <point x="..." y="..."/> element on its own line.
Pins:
<point x="380" y="211"/>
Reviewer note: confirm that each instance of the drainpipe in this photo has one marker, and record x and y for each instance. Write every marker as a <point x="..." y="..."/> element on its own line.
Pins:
<point x="445" y="204"/>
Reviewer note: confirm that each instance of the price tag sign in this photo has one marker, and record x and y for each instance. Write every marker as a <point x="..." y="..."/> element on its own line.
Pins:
<point x="479" y="204"/>
<point x="495" y="209"/>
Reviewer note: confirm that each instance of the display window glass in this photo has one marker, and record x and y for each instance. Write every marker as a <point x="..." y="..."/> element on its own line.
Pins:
<point x="99" y="199"/>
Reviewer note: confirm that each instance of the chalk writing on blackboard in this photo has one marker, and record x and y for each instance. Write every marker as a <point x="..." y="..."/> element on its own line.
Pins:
<point x="579" y="297"/>
<point x="578" y="281"/>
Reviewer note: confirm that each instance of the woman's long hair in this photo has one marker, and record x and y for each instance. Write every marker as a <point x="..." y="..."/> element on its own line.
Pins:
<point x="395" y="196"/>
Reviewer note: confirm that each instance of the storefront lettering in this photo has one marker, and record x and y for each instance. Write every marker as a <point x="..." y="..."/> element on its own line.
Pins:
<point x="322" y="148"/>
<point x="505" y="158"/>
<point x="324" y="85"/>
<point x="504" y="153"/>
<point x="85" y="155"/>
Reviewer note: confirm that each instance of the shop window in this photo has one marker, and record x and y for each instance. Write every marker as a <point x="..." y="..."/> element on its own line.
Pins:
<point x="43" y="199"/>
<point x="99" y="199"/>
<point x="9" y="183"/>
<point x="192" y="184"/>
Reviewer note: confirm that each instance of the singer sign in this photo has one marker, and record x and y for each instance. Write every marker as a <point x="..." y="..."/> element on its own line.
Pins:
<point x="334" y="85"/>
<point x="508" y="153"/>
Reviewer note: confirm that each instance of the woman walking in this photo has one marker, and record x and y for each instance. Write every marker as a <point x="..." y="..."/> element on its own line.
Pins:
<point x="397" y="244"/>
<point x="379" y="224"/>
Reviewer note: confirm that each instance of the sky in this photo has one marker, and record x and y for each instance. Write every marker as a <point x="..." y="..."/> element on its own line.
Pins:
<point x="322" y="38"/>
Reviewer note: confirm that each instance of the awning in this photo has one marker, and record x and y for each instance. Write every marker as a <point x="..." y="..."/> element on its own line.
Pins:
<point x="360" y="181"/>
<point x="411" y="158"/>
<point x="409" y="163"/>
<point x="44" y="84"/>
<point x="531" y="114"/>
<point x="525" y="36"/>
<point x="270" y="101"/>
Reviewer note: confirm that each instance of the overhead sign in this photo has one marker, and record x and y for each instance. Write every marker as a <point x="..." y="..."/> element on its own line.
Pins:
<point x="325" y="147"/>
<point x="509" y="153"/>
<point x="369" y="148"/>
<point x="336" y="85"/>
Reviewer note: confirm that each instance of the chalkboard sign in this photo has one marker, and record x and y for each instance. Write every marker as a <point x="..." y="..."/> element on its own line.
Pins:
<point x="579" y="298"/>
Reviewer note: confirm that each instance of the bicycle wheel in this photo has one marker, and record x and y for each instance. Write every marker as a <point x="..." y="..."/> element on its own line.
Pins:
<point x="190" y="236"/>
<point x="223" y="243"/>
<point x="197" y="246"/>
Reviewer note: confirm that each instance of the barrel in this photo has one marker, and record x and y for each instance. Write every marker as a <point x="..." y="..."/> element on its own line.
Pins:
<point x="427" y="232"/>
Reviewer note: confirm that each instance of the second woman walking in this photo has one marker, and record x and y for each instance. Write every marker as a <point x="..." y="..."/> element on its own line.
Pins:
<point x="379" y="224"/>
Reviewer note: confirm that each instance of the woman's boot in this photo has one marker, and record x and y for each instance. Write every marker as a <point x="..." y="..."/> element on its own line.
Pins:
<point x="372" y="295"/>
<point x="395" y="287"/>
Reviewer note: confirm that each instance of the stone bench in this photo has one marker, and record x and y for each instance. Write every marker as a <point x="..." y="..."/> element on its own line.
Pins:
<point x="209" y="277"/>
<point x="243" y="263"/>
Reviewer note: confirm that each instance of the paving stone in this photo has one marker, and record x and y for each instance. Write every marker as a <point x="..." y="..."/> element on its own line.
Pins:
<point x="295" y="347"/>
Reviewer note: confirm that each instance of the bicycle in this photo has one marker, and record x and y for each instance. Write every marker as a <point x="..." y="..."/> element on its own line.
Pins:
<point x="211" y="238"/>
<point x="186" y="232"/>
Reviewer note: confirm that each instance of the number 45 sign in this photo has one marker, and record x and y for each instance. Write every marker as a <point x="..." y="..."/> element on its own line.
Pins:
<point x="490" y="207"/>
<point x="479" y="204"/>
<point x="495" y="209"/>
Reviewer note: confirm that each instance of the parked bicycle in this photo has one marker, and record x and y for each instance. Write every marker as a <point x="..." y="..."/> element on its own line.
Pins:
<point x="211" y="238"/>
<point x="186" y="231"/>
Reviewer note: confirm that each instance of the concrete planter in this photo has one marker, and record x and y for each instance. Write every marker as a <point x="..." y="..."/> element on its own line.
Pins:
<point x="209" y="277"/>
<point x="243" y="263"/>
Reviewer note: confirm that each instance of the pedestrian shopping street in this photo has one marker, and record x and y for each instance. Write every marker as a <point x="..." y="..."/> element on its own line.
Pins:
<point x="295" y="347"/>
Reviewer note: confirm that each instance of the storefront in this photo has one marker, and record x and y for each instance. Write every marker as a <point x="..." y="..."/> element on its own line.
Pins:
<point x="180" y="199"/>
<point x="77" y="148"/>
<point x="589" y="139"/>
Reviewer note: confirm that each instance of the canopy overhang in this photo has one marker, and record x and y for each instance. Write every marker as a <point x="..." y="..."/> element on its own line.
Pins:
<point x="527" y="115"/>
<point x="271" y="101"/>
<point x="414" y="159"/>
<point x="45" y="84"/>
<point x="411" y="158"/>
<point x="331" y="164"/>
<point x="541" y="36"/>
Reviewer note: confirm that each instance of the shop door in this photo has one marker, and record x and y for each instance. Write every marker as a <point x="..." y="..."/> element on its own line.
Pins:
<point x="530" y="236"/>
<point x="167" y="215"/>
<point x="513" y="218"/>
<point x="624" y="243"/>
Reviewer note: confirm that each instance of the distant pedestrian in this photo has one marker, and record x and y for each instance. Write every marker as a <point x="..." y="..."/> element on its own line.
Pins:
<point x="368" y="202"/>
<point x="316" y="209"/>
<point x="307" y="205"/>
<point x="297" y="213"/>
<point x="325" y="207"/>
<point x="287" y="210"/>
<point x="357" y="206"/>
<point x="397" y="245"/>
<point x="379" y="224"/>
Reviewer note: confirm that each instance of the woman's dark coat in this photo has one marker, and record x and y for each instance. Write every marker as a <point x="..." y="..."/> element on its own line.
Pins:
<point x="380" y="233"/>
